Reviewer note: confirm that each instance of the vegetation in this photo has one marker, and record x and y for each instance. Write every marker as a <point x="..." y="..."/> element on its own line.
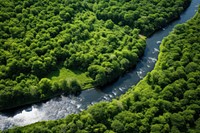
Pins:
<point x="63" y="73"/>
<point x="166" y="100"/>
<point x="146" y="15"/>
<point x="38" y="38"/>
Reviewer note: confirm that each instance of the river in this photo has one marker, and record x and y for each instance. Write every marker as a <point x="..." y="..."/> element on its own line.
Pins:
<point x="62" y="106"/>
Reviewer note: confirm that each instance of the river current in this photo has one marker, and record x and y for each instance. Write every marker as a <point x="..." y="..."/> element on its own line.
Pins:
<point x="62" y="106"/>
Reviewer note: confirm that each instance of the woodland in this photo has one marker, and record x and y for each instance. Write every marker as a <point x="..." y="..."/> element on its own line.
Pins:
<point x="166" y="100"/>
<point x="51" y="47"/>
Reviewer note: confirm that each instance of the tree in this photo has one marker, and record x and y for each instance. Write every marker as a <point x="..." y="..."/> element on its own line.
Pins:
<point x="74" y="86"/>
<point x="45" y="87"/>
<point x="156" y="128"/>
<point x="38" y="68"/>
<point x="117" y="126"/>
<point x="99" y="113"/>
<point x="64" y="86"/>
<point x="177" y="121"/>
<point x="109" y="24"/>
<point x="191" y="67"/>
<point x="98" y="128"/>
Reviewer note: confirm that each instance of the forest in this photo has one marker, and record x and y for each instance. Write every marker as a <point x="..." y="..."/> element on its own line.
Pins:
<point x="95" y="41"/>
<point x="166" y="100"/>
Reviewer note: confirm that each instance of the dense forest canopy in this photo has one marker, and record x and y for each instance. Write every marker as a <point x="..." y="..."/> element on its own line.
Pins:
<point x="98" y="38"/>
<point x="166" y="100"/>
<point x="146" y="15"/>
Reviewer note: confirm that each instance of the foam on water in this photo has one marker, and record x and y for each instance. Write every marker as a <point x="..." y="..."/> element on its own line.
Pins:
<point x="22" y="119"/>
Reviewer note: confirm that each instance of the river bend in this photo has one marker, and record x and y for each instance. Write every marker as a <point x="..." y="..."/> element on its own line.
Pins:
<point x="60" y="107"/>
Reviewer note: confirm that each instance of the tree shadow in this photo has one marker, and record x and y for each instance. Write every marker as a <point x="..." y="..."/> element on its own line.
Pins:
<point x="54" y="73"/>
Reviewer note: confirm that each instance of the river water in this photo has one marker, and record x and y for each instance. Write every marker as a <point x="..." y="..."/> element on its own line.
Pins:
<point x="62" y="106"/>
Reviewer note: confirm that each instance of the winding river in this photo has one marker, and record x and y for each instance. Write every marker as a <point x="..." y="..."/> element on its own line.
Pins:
<point x="60" y="107"/>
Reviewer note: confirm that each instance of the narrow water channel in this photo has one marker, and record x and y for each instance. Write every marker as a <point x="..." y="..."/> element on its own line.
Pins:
<point x="60" y="107"/>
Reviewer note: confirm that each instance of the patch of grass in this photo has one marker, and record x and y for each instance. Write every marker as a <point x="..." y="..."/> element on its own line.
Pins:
<point x="63" y="73"/>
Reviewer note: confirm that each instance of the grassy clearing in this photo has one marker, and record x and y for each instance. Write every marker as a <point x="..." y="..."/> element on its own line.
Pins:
<point x="63" y="73"/>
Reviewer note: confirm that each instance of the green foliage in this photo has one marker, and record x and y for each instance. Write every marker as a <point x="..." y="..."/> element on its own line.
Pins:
<point x="39" y="38"/>
<point x="166" y="100"/>
<point x="98" y="38"/>
<point x="146" y="15"/>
